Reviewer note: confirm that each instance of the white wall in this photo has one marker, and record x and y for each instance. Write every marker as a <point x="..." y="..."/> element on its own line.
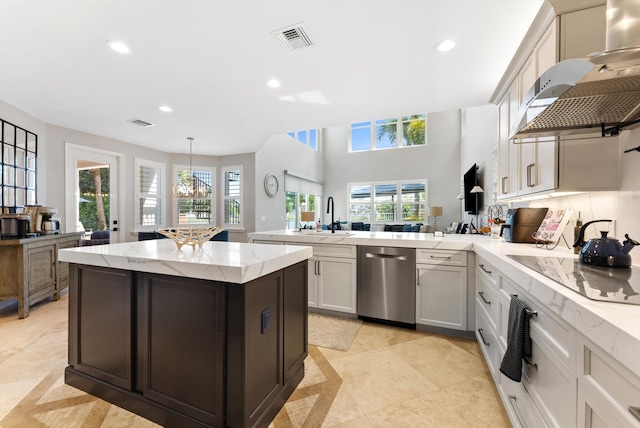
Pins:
<point x="281" y="153"/>
<point x="32" y="124"/>
<point x="248" y="180"/>
<point x="51" y="168"/>
<point x="478" y="145"/>
<point x="438" y="161"/>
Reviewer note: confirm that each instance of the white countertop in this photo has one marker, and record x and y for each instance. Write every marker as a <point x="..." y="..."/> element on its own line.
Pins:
<point x="219" y="261"/>
<point x="614" y="327"/>
<point x="394" y="239"/>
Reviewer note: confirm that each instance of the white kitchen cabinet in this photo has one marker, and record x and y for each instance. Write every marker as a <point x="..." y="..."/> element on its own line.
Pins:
<point x="606" y="389"/>
<point x="332" y="277"/>
<point x="441" y="289"/>
<point x="564" y="166"/>
<point x="582" y="32"/>
<point x="332" y="284"/>
<point x="547" y="394"/>
<point x="507" y="151"/>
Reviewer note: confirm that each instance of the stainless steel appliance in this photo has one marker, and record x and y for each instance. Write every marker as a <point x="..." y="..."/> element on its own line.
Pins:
<point x="595" y="283"/>
<point x="601" y="93"/>
<point x="48" y="226"/>
<point x="9" y="225"/>
<point x="521" y="223"/>
<point x="387" y="283"/>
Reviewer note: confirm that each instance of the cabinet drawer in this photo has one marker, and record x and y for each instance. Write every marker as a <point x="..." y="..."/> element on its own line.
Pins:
<point x="442" y="257"/>
<point x="487" y="270"/>
<point x="554" y="332"/>
<point x="348" y="251"/>
<point x="616" y="387"/>
<point x="519" y="405"/>
<point x="488" y="344"/>
<point x="488" y="301"/>
<point x="551" y="386"/>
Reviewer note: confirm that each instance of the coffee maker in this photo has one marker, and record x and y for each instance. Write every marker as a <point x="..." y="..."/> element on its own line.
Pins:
<point x="47" y="225"/>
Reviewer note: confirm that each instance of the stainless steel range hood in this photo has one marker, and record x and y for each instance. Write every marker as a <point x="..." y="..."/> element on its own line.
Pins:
<point x="599" y="93"/>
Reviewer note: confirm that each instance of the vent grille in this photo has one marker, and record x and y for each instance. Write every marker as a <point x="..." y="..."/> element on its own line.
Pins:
<point x="141" y="123"/>
<point x="294" y="37"/>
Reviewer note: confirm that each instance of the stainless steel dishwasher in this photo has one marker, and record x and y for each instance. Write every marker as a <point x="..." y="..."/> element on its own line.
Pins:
<point x="387" y="283"/>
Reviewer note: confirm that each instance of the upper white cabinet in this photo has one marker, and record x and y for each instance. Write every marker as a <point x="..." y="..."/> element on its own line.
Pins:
<point x="538" y="160"/>
<point x="543" y="166"/>
<point x="582" y="32"/>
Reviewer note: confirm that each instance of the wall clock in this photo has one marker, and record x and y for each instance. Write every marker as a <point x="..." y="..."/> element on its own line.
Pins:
<point x="271" y="185"/>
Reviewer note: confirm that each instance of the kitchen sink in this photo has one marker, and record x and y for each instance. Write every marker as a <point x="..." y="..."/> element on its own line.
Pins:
<point x="327" y="232"/>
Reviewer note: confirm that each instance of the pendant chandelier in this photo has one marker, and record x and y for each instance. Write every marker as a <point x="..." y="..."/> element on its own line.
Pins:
<point x="190" y="187"/>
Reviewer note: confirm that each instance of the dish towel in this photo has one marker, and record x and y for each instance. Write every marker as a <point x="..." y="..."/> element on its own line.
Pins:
<point x="518" y="340"/>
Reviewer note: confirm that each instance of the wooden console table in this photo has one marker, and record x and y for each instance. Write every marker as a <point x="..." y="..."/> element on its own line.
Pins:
<point x="31" y="271"/>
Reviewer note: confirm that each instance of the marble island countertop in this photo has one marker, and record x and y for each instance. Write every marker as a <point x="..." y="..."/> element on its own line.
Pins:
<point x="219" y="261"/>
<point x="615" y="327"/>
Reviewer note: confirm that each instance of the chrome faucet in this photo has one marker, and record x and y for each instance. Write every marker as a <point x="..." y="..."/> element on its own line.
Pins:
<point x="330" y="208"/>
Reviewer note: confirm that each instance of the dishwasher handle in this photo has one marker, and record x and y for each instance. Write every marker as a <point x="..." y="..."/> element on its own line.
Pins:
<point x="384" y="256"/>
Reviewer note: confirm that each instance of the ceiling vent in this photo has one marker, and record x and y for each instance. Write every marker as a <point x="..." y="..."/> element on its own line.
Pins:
<point x="141" y="123"/>
<point x="294" y="37"/>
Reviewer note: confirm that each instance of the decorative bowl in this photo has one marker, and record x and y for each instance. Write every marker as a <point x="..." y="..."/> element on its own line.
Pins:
<point x="190" y="235"/>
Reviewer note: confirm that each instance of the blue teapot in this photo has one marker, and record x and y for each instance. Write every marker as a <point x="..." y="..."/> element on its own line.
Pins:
<point x="605" y="251"/>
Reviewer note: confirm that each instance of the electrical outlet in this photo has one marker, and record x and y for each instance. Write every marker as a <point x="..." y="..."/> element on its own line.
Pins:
<point x="263" y="218"/>
<point x="266" y="321"/>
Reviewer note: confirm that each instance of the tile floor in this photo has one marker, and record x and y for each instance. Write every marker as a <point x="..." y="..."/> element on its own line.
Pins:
<point x="390" y="377"/>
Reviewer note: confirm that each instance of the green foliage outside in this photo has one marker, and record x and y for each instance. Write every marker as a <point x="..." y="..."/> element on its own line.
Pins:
<point x="88" y="211"/>
<point x="413" y="130"/>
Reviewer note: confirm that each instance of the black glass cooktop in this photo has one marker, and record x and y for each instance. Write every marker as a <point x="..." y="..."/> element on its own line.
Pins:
<point x="618" y="285"/>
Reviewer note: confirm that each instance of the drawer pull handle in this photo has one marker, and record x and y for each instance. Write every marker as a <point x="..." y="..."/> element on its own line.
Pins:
<point x="635" y="411"/>
<point x="512" y="400"/>
<point x="481" y="293"/>
<point x="485" y="270"/>
<point x="440" y="257"/>
<point x="482" y="337"/>
<point x="530" y="364"/>
<point x="530" y="313"/>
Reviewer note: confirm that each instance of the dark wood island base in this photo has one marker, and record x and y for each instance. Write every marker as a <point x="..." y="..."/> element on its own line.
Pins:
<point x="186" y="352"/>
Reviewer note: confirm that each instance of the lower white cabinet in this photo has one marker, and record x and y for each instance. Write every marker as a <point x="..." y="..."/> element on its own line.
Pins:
<point x="608" y="393"/>
<point x="518" y="404"/>
<point x="441" y="289"/>
<point x="332" y="284"/>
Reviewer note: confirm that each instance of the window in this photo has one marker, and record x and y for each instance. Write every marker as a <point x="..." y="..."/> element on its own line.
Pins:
<point x="18" y="159"/>
<point x="306" y="137"/>
<point x="388" y="133"/>
<point x="150" y="190"/>
<point x="388" y="202"/>
<point x="200" y="210"/>
<point x="298" y="203"/>
<point x="232" y="197"/>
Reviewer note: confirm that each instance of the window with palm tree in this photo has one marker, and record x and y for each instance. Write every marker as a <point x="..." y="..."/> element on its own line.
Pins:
<point x="399" y="132"/>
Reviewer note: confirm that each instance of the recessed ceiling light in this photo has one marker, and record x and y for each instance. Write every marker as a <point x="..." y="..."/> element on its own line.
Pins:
<point x="119" y="47"/>
<point x="273" y="83"/>
<point x="445" y="45"/>
<point x="165" y="109"/>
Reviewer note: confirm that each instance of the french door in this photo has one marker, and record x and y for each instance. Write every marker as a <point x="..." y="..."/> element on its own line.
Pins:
<point x="93" y="182"/>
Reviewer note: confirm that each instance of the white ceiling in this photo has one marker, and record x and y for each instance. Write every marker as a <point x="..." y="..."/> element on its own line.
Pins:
<point x="209" y="60"/>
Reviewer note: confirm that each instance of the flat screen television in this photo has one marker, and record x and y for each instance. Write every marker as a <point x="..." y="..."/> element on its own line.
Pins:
<point x="472" y="200"/>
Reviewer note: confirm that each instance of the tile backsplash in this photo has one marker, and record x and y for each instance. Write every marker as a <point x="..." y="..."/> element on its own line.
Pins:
<point x="622" y="206"/>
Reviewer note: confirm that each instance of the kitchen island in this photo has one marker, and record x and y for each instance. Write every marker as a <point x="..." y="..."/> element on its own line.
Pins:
<point x="208" y="337"/>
